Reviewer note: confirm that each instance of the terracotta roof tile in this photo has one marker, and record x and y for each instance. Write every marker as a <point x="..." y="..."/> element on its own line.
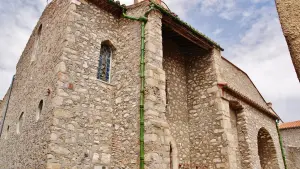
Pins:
<point x="289" y="125"/>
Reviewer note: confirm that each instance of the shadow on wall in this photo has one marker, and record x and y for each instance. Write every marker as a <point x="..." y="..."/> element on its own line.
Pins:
<point x="266" y="150"/>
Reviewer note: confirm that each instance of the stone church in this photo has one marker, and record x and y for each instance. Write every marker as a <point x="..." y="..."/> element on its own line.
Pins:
<point x="106" y="86"/>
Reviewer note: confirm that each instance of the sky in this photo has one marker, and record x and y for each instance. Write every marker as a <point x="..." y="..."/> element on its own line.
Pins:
<point x="248" y="30"/>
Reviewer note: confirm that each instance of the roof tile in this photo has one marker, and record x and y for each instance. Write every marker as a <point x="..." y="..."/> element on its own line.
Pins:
<point x="289" y="125"/>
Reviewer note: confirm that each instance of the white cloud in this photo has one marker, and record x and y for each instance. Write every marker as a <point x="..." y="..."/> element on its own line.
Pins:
<point x="263" y="53"/>
<point x="17" y="19"/>
<point x="181" y="7"/>
<point x="261" y="1"/>
<point x="218" y="31"/>
<point x="127" y="2"/>
<point x="226" y="9"/>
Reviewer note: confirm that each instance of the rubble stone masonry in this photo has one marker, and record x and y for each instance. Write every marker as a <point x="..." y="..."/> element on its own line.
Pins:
<point x="289" y="16"/>
<point x="177" y="111"/>
<point x="24" y="142"/>
<point x="250" y="123"/>
<point x="61" y="116"/>
<point x="291" y="142"/>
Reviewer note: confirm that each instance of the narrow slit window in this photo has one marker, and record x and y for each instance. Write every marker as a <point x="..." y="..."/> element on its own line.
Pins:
<point x="40" y="108"/>
<point x="104" y="63"/>
<point x="20" y="123"/>
<point x="171" y="157"/>
<point x="36" y="44"/>
<point x="7" y="132"/>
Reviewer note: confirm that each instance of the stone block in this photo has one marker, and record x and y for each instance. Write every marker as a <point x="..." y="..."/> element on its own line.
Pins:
<point x="61" y="67"/>
<point x="152" y="157"/>
<point x="59" y="150"/>
<point x="99" y="167"/>
<point x="212" y="90"/>
<point x="62" y="113"/>
<point x="150" y="137"/>
<point x="57" y="101"/>
<point x="105" y="158"/>
<point x="95" y="158"/>
<point x="53" y="166"/>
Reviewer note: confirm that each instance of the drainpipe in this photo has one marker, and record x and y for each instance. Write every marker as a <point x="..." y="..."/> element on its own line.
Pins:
<point x="143" y="19"/>
<point x="281" y="145"/>
<point x="7" y="103"/>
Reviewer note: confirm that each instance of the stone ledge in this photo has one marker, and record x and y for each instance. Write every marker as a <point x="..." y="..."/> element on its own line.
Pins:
<point x="231" y="90"/>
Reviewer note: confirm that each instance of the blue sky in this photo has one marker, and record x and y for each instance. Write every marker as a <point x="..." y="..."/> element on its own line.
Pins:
<point x="248" y="30"/>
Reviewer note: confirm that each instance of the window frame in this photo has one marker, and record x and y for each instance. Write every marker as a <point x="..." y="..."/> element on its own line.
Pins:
<point x="110" y="63"/>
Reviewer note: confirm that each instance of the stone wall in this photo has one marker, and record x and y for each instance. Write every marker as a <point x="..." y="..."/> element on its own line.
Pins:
<point x="176" y="87"/>
<point x="291" y="137"/>
<point x="238" y="131"/>
<point x="249" y="122"/>
<point x="288" y="11"/>
<point x="157" y="130"/>
<point x="291" y="142"/>
<point x="292" y="157"/>
<point x="3" y="106"/>
<point x="208" y="140"/>
<point x="233" y="139"/>
<point x="98" y="125"/>
<point x="34" y="81"/>
<point x="240" y="81"/>
<point x="125" y="77"/>
<point x="82" y="125"/>
<point x="193" y="109"/>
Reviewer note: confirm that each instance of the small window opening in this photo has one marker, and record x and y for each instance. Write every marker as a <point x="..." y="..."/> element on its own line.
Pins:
<point x="104" y="63"/>
<point x="167" y="93"/>
<point x="40" y="108"/>
<point x="171" y="157"/>
<point x="40" y="30"/>
<point x="174" y="163"/>
<point x="20" y="123"/>
<point x="7" y="132"/>
<point x="36" y="43"/>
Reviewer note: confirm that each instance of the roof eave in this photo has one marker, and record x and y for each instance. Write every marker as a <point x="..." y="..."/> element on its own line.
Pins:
<point x="287" y="128"/>
<point x="186" y="25"/>
<point x="116" y="8"/>
<point x="111" y="6"/>
<point x="249" y="101"/>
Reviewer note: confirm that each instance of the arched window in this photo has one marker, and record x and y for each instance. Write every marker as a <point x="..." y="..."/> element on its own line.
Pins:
<point x="36" y="43"/>
<point x="266" y="150"/>
<point x="40" y="108"/>
<point x="20" y="123"/>
<point x="104" y="63"/>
